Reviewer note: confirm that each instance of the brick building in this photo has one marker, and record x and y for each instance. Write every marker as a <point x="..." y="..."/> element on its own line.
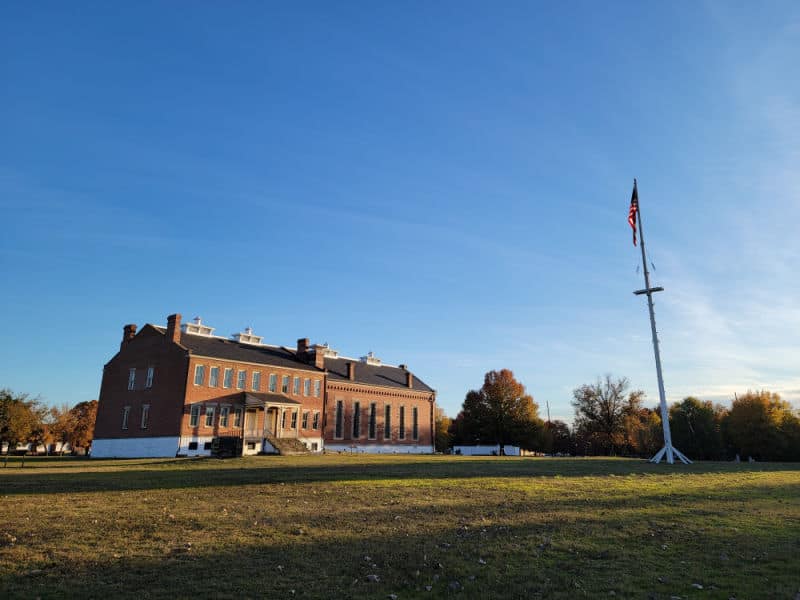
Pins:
<point x="181" y="390"/>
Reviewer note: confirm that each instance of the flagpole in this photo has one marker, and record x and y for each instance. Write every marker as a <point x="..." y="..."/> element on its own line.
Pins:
<point x="668" y="450"/>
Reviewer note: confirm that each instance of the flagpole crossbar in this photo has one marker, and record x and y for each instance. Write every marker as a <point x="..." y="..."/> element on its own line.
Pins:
<point x="668" y="452"/>
<point x="649" y="291"/>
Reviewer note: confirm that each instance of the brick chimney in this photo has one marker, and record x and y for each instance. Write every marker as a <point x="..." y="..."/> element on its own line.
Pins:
<point x="128" y="333"/>
<point x="302" y="349"/>
<point x="351" y="371"/>
<point x="409" y="379"/>
<point x="174" y="328"/>
<point x="319" y="356"/>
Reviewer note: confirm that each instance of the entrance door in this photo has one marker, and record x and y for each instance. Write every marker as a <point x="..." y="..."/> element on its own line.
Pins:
<point x="250" y="423"/>
<point x="272" y="421"/>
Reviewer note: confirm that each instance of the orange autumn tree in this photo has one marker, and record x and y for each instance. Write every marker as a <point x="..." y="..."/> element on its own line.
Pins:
<point x="502" y="413"/>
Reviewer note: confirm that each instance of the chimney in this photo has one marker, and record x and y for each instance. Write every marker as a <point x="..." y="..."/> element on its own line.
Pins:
<point x="302" y="349"/>
<point x="404" y="367"/>
<point x="319" y="356"/>
<point x="128" y="332"/>
<point x="351" y="371"/>
<point x="409" y="379"/>
<point x="174" y="328"/>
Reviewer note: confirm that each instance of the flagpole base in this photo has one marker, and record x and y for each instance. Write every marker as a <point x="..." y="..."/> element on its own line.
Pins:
<point x="669" y="453"/>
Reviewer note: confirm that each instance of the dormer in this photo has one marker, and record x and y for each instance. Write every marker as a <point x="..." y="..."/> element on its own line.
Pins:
<point x="371" y="359"/>
<point x="326" y="350"/>
<point x="247" y="337"/>
<point x="196" y="327"/>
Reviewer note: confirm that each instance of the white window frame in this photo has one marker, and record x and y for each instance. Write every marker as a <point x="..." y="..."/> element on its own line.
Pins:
<point x="149" y="381"/>
<point x="227" y="378"/>
<point x="286" y="383"/>
<point x="255" y="382"/>
<point x="211" y="412"/>
<point x="315" y="421"/>
<point x="126" y="412"/>
<point x="293" y="422"/>
<point x="317" y="388"/>
<point x="213" y="377"/>
<point x="145" y="416"/>
<point x="194" y="415"/>
<point x="296" y="386"/>
<point x="304" y="422"/>
<point x="224" y="414"/>
<point x="131" y="379"/>
<point x="199" y="373"/>
<point x="307" y="387"/>
<point x="237" y="417"/>
<point x="273" y="382"/>
<point x="241" y="379"/>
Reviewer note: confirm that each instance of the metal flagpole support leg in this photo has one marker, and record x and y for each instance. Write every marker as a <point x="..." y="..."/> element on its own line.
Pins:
<point x="668" y="451"/>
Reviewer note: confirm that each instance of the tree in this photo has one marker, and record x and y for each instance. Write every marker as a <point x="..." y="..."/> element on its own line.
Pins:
<point x="442" y="431"/>
<point x="500" y="413"/>
<point x="20" y="418"/>
<point x="643" y="433"/>
<point x="697" y="429"/>
<point x="601" y="410"/>
<point x="558" y="438"/>
<point x="75" y="426"/>
<point x="763" y="426"/>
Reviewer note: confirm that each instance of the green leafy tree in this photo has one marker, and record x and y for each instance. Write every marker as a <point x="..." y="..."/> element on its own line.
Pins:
<point x="696" y="428"/>
<point x="602" y="413"/>
<point x="501" y="412"/>
<point x="558" y="438"/>
<point x="20" y="418"/>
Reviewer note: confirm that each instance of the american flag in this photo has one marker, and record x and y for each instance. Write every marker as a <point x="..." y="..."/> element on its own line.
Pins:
<point x="633" y="210"/>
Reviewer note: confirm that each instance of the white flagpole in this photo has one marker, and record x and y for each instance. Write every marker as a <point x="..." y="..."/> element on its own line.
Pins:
<point x="668" y="450"/>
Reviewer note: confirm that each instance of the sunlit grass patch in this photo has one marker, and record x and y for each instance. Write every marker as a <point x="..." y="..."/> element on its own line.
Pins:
<point x="369" y="526"/>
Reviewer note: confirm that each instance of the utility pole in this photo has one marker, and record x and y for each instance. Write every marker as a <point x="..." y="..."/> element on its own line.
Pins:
<point x="668" y="450"/>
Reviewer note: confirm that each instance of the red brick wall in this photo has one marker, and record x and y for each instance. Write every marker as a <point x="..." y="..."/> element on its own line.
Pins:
<point x="149" y="348"/>
<point x="220" y="396"/>
<point x="350" y="393"/>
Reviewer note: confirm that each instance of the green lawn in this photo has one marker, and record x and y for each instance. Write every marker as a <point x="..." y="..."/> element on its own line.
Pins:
<point x="426" y="527"/>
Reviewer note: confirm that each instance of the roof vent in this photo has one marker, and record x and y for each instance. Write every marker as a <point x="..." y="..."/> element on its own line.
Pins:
<point x="196" y="327"/>
<point x="247" y="337"/>
<point x="371" y="359"/>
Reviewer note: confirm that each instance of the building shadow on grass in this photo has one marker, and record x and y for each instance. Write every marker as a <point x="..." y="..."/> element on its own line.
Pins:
<point x="193" y="473"/>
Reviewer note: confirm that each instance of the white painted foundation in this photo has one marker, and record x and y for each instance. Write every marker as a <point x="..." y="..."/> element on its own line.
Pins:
<point x="378" y="449"/>
<point x="154" y="447"/>
<point x="485" y="450"/>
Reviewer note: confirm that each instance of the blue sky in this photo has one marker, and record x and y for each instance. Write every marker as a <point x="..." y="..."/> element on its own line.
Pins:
<point x="445" y="184"/>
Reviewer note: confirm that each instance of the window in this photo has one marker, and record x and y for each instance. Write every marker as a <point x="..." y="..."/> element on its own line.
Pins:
<point x="223" y="416"/>
<point x="145" y="415"/>
<point x="414" y="424"/>
<point x="294" y="419"/>
<point x="241" y="377"/>
<point x="237" y="417"/>
<point x="213" y="377"/>
<point x="209" y="416"/>
<point x="283" y="420"/>
<point x="256" y="380"/>
<point x="315" y="423"/>
<point x="207" y="446"/>
<point x="194" y="415"/>
<point x="285" y="384"/>
<point x="317" y="386"/>
<point x="273" y="382"/>
<point x="356" y="419"/>
<point x="314" y="446"/>
<point x="227" y="378"/>
<point x="149" y="381"/>
<point x="296" y="386"/>
<point x="307" y="387"/>
<point x="131" y="379"/>
<point x="192" y="445"/>
<point x="126" y="411"/>
<point x="339" y="420"/>
<point x="387" y="422"/>
<point x="373" y="410"/>
<point x="401" y="433"/>
<point x="305" y="419"/>
<point x="199" y="374"/>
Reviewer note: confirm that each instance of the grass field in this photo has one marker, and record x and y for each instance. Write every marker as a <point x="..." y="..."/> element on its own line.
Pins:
<point x="414" y="527"/>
